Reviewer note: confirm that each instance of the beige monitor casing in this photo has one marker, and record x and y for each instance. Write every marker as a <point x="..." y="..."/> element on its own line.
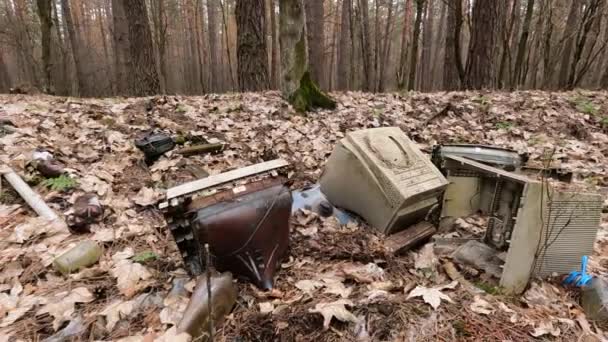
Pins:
<point x="381" y="175"/>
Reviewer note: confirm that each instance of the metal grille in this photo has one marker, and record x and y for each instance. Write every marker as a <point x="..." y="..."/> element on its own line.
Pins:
<point x="570" y="229"/>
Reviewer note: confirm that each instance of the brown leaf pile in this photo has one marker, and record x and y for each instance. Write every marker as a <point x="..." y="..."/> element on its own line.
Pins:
<point x="338" y="284"/>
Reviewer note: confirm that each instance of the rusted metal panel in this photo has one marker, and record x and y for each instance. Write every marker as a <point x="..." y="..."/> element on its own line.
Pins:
<point x="247" y="229"/>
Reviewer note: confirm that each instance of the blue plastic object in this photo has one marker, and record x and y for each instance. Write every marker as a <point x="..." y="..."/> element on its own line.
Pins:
<point x="579" y="278"/>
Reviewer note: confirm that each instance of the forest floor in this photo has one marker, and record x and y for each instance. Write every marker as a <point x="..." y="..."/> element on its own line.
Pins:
<point x="341" y="271"/>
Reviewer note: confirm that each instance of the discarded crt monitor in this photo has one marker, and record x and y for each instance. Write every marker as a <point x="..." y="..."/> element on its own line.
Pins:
<point x="381" y="175"/>
<point x="246" y="226"/>
<point x="542" y="230"/>
<point x="502" y="158"/>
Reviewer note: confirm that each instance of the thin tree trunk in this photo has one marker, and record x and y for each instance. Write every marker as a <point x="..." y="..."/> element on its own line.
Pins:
<point x="415" y="38"/>
<point x="402" y="67"/>
<point x="274" y="78"/>
<point x="588" y="31"/>
<point x="200" y="42"/>
<point x="214" y="67"/>
<point x="386" y="48"/>
<point x="523" y="43"/>
<point x="451" y="74"/>
<point x="227" y="46"/>
<point x="121" y="46"/>
<point x="547" y="34"/>
<point x="46" y="23"/>
<point x="366" y="45"/>
<point x="344" y="48"/>
<point x="427" y="46"/>
<point x="74" y="42"/>
<point x="569" y="39"/>
<point x="436" y="56"/>
<point x="143" y="76"/>
<point x="505" y="60"/>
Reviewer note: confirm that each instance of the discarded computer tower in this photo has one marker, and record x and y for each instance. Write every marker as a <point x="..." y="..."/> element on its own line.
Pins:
<point x="246" y="226"/>
<point x="543" y="231"/>
<point x="382" y="176"/>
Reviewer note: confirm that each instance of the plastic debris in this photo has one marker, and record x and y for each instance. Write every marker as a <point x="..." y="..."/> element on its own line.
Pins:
<point x="81" y="256"/>
<point x="223" y="296"/>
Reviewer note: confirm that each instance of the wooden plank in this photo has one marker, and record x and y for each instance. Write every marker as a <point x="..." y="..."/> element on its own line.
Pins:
<point x="410" y="237"/>
<point x="201" y="184"/>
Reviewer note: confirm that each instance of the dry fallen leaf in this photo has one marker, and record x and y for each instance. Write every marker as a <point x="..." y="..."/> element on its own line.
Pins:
<point x="61" y="306"/>
<point x="545" y="328"/>
<point x="129" y="275"/>
<point x="335" y="309"/>
<point x="433" y="295"/>
<point x="363" y="273"/>
<point x="146" y="196"/>
<point x="266" y="307"/>
<point x="481" y="306"/>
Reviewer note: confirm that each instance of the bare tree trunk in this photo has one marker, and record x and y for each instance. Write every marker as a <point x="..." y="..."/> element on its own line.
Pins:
<point x="143" y="76"/>
<point x="296" y="85"/>
<point x="415" y="39"/>
<point x="451" y="74"/>
<point x="568" y="38"/>
<point x="44" y="13"/>
<point x="402" y="67"/>
<point x="274" y="78"/>
<point x="589" y="30"/>
<point x="251" y="47"/>
<point x="5" y="77"/>
<point x="427" y="45"/>
<point x="484" y="39"/>
<point x="438" y="51"/>
<point x="200" y="39"/>
<point x="315" y="22"/>
<point x="507" y="46"/>
<point x="214" y="67"/>
<point x="547" y="34"/>
<point x="74" y="42"/>
<point x="121" y="46"/>
<point x="344" y="48"/>
<point x="366" y="45"/>
<point x="386" y="47"/>
<point x="523" y="43"/>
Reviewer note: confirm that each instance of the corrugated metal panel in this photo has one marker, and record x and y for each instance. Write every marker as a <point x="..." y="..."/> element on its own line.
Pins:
<point x="570" y="230"/>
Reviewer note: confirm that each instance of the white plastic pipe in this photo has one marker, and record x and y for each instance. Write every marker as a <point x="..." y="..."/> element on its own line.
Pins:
<point x="31" y="198"/>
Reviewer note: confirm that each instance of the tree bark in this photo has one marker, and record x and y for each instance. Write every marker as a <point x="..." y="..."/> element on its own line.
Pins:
<point x="386" y="47"/>
<point x="523" y="43"/>
<point x="402" y="67"/>
<point x="568" y="38"/>
<point x="316" y="48"/>
<point x="411" y="84"/>
<point x="366" y="45"/>
<point x="274" y="78"/>
<point x="480" y="72"/>
<point x="75" y="44"/>
<point x="344" y="47"/>
<point x="451" y="76"/>
<point x="46" y="23"/>
<point x="251" y="46"/>
<point x="588" y="32"/>
<point x="143" y="76"/>
<point x="214" y="67"/>
<point x="296" y="84"/>
<point x="121" y="46"/>
<point x="427" y="45"/>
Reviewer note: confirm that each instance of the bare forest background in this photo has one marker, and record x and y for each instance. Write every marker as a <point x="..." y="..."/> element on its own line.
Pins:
<point x="139" y="47"/>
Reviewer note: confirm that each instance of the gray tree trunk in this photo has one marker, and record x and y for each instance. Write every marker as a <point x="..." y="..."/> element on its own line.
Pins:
<point x="251" y="45"/>
<point x="214" y="65"/>
<point x="568" y="38"/>
<point x="316" y="48"/>
<point x="344" y="47"/>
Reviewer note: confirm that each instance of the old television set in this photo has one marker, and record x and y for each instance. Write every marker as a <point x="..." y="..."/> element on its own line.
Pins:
<point x="382" y="176"/>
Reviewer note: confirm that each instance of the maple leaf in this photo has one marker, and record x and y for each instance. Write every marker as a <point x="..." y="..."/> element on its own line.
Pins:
<point x="335" y="309"/>
<point x="433" y="295"/>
